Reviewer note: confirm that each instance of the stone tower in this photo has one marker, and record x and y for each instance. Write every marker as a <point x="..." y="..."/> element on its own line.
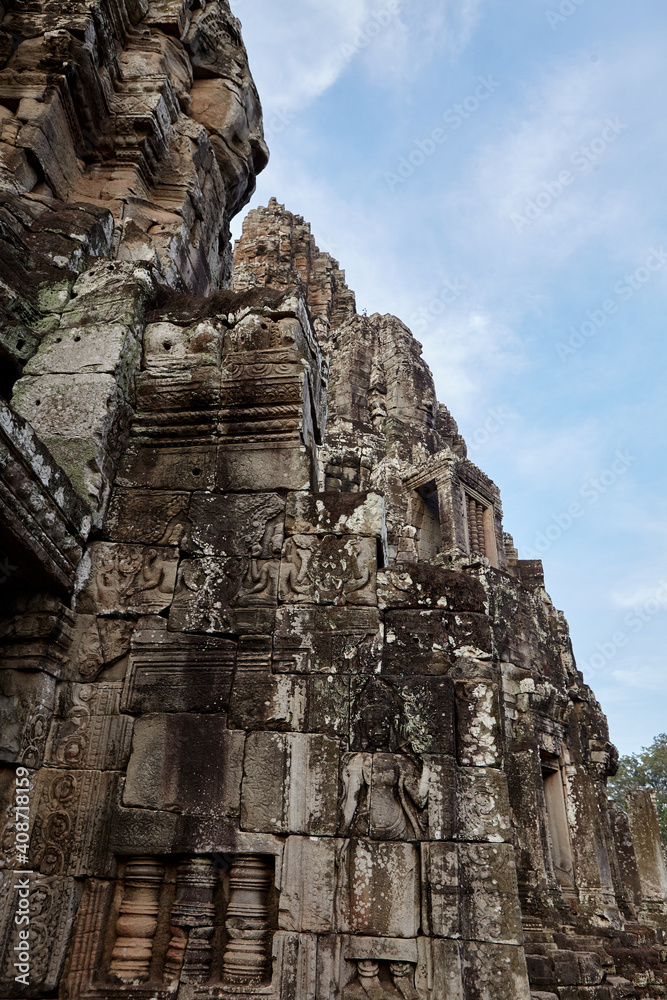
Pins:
<point x="283" y="713"/>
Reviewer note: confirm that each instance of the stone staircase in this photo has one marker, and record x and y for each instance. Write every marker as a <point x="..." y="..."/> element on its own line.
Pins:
<point x="566" y="965"/>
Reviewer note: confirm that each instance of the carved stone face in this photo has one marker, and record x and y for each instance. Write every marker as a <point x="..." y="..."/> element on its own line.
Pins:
<point x="379" y="729"/>
<point x="380" y="719"/>
<point x="233" y="120"/>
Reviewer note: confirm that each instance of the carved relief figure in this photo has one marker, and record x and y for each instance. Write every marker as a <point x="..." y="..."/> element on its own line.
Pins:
<point x="124" y="575"/>
<point x="151" y="576"/>
<point x="394" y="795"/>
<point x="293" y="575"/>
<point x="260" y="584"/>
<point x="384" y="791"/>
<point x="327" y="570"/>
<point x="357" y="577"/>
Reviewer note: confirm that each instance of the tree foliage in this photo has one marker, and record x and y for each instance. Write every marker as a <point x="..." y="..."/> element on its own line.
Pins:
<point x="647" y="769"/>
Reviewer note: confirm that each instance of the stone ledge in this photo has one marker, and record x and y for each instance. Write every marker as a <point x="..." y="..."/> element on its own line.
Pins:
<point x="43" y="520"/>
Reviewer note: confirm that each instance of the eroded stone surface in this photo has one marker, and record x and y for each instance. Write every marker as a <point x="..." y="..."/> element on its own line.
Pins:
<point x="296" y="720"/>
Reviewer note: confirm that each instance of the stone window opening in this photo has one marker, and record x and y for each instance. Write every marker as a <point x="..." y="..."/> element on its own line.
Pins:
<point x="426" y="519"/>
<point x="557" y="825"/>
<point x="480" y="526"/>
<point x="194" y="920"/>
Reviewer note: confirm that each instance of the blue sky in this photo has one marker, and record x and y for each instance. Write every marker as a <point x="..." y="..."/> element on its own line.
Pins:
<point x="494" y="173"/>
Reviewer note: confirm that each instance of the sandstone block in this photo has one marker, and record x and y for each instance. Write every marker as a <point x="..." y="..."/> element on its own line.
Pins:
<point x="245" y="526"/>
<point x="101" y="742"/>
<point x="172" y="672"/>
<point x="328" y="570"/>
<point x="120" y="578"/>
<point x="439" y="973"/>
<point x="328" y="705"/>
<point x="72" y="406"/>
<point x="334" y="971"/>
<point x="381" y="890"/>
<point x="494" y="972"/>
<point x="442" y="796"/>
<point x="177" y="398"/>
<point x="108" y="292"/>
<point x="185" y="763"/>
<point x="100" y="349"/>
<point x="144" y="831"/>
<point x="70" y="830"/>
<point x="206" y="593"/>
<point x="429" y="642"/>
<point x="290" y="784"/>
<point x="577" y="968"/>
<point x="440" y="902"/>
<point x="52" y="906"/>
<point x="483" y="805"/>
<point x="295" y="965"/>
<point x="335" y="514"/>
<point x="418" y="712"/>
<point x="478" y="723"/>
<point x="309" y="884"/>
<point x="264" y="466"/>
<point x="426" y="586"/>
<point x="150" y="517"/>
<point x="169" y="467"/>
<point x="489" y="895"/>
<point x="168" y="345"/>
<point x="382" y="949"/>
<point x="327" y="640"/>
<point x="649" y="854"/>
<point x="262" y="700"/>
<point x="26" y="702"/>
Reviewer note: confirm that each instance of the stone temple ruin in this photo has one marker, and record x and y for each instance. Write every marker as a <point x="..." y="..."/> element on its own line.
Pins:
<point x="291" y="718"/>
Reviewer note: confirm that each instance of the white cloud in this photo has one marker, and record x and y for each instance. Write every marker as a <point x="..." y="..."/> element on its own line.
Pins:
<point x="517" y="190"/>
<point x="469" y="351"/>
<point x="299" y="48"/>
<point x="452" y="22"/>
<point x="633" y="598"/>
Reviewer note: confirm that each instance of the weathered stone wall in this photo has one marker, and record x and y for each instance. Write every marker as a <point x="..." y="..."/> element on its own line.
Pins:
<point x="131" y="135"/>
<point x="293" y="718"/>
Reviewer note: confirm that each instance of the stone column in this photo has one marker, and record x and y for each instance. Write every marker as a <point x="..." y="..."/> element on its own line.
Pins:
<point x="403" y="978"/>
<point x="137" y="920"/>
<point x="246" y="959"/>
<point x="647" y="843"/>
<point x="368" y="972"/>
<point x="192" y="919"/>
